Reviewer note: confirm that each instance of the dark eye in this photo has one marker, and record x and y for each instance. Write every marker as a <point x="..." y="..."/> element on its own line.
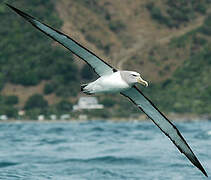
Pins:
<point x="133" y="75"/>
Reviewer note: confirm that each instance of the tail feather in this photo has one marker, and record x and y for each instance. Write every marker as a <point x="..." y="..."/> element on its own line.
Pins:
<point x="83" y="86"/>
<point x="84" y="90"/>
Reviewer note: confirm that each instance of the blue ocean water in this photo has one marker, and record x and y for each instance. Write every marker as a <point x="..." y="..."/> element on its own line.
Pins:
<point x="100" y="150"/>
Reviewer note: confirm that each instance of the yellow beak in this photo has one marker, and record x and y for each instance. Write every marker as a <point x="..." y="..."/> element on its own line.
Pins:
<point x="141" y="81"/>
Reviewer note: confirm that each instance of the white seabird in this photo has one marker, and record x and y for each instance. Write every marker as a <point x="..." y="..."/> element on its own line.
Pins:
<point x="112" y="80"/>
<point x="116" y="82"/>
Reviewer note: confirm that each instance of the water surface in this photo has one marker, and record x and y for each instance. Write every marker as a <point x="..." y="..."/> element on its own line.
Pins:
<point x="100" y="150"/>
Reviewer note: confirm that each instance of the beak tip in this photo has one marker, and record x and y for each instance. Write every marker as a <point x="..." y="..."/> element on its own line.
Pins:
<point x="141" y="81"/>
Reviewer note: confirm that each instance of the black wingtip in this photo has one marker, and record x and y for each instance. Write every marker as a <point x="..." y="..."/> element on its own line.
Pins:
<point x="8" y="5"/>
<point x="24" y="15"/>
<point x="203" y="171"/>
<point x="199" y="166"/>
<point x="13" y="8"/>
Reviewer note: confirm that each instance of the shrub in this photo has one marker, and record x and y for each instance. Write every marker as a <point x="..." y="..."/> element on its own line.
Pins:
<point x="199" y="40"/>
<point x="10" y="111"/>
<point x="206" y="27"/>
<point x="36" y="101"/>
<point x="67" y="90"/>
<point x="64" y="106"/>
<point x="2" y="81"/>
<point x="201" y="8"/>
<point x="11" y="100"/>
<point x="27" y="78"/>
<point x="156" y="13"/>
<point x="100" y="113"/>
<point x="166" y="83"/>
<point x="206" y="30"/>
<point x="107" y="102"/>
<point x="87" y="72"/>
<point x="49" y="88"/>
<point x="176" y="13"/>
<point x="34" y="113"/>
<point x="150" y="5"/>
<point x="116" y="26"/>
<point x="92" y="38"/>
<point x="207" y="21"/>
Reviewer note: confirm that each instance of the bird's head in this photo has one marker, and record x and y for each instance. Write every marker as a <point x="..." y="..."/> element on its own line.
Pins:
<point x="137" y="77"/>
<point x="132" y="78"/>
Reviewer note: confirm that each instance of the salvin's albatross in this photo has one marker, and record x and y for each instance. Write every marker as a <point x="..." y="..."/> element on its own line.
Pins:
<point x="113" y="80"/>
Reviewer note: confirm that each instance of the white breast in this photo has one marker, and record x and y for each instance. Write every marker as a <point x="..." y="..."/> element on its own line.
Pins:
<point x="108" y="83"/>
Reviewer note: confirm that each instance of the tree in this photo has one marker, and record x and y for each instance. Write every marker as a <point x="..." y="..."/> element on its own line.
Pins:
<point x="108" y="102"/>
<point x="36" y="101"/>
<point x="87" y="72"/>
<point x="11" y="100"/>
<point x="10" y="111"/>
<point x="49" y="88"/>
<point x="64" y="106"/>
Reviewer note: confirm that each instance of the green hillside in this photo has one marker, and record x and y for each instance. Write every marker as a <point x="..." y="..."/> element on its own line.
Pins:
<point x="40" y="76"/>
<point x="27" y="57"/>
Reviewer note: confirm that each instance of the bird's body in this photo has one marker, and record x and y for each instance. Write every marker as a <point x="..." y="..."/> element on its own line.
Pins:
<point x="114" y="81"/>
<point x="111" y="83"/>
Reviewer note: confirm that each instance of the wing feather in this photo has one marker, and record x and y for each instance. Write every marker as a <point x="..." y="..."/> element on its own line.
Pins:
<point x="98" y="65"/>
<point x="169" y="129"/>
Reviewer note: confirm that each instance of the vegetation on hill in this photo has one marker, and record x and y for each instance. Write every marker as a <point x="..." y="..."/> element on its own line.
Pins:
<point x="7" y="105"/>
<point x="176" y="13"/>
<point x="29" y="58"/>
<point x="189" y="89"/>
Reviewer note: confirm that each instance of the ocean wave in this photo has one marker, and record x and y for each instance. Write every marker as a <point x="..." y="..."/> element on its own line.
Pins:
<point x="98" y="150"/>
<point x="106" y="160"/>
<point x="209" y="132"/>
<point x="7" y="163"/>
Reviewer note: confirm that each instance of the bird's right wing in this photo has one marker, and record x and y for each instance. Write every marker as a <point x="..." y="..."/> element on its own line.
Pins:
<point x="98" y="65"/>
<point x="170" y="130"/>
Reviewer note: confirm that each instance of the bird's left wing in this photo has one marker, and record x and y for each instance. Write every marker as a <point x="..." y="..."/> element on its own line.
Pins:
<point x="170" y="130"/>
<point x="98" y="65"/>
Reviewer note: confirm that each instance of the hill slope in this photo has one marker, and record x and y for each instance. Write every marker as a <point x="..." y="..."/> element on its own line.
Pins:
<point x="152" y="38"/>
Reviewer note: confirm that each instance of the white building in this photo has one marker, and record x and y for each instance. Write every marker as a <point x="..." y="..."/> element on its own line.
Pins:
<point x="53" y="117"/>
<point x="21" y="113"/>
<point x="87" y="103"/>
<point x="65" y="117"/>
<point x="41" y="117"/>
<point x="84" y="117"/>
<point x="3" y="117"/>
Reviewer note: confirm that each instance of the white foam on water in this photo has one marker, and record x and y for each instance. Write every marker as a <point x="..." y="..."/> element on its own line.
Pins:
<point x="209" y="132"/>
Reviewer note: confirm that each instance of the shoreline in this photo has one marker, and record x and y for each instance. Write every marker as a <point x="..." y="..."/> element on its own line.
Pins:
<point x="173" y="117"/>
